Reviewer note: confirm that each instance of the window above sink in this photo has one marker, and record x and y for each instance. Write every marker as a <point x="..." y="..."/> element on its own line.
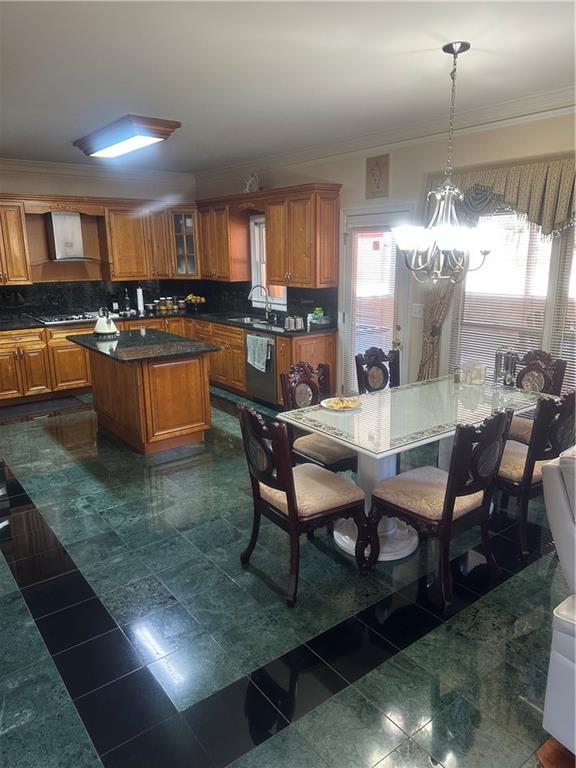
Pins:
<point x="277" y="293"/>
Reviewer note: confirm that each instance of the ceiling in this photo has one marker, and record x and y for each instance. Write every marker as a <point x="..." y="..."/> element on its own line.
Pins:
<point x="249" y="80"/>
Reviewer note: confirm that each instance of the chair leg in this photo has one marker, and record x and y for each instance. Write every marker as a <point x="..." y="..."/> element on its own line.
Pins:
<point x="362" y="542"/>
<point x="523" y="524"/>
<point x="294" y="569"/>
<point x="493" y="566"/>
<point x="374" y="517"/>
<point x="444" y="568"/>
<point x="247" y="554"/>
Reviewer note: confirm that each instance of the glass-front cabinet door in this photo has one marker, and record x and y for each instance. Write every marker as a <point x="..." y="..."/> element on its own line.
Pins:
<point x="184" y="232"/>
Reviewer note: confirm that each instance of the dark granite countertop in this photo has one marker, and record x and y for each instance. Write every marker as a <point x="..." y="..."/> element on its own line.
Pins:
<point x="143" y="344"/>
<point x="18" y="322"/>
<point x="228" y="319"/>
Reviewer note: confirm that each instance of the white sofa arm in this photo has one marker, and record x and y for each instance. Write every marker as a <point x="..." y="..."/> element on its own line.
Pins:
<point x="557" y="477"/>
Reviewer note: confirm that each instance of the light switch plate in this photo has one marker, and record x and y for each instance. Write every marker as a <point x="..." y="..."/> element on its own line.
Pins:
<point x="418" y="311"/>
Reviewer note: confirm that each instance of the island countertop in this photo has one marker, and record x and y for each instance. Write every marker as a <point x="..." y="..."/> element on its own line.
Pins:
<point x="143" y="344"/>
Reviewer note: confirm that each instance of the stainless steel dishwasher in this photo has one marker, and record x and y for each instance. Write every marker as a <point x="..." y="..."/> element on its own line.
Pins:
<point x="261" y="385"/>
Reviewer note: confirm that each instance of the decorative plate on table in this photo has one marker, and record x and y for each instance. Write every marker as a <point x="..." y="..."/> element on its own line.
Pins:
<point x="341" y="404"/>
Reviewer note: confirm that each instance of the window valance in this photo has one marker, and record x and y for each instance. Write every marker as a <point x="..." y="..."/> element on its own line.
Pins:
<point x="542" y="191"/>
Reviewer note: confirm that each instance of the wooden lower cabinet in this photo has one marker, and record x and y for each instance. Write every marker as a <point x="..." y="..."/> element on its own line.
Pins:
<point x="10" y="374"/>
<point x="313" y="348"/>
<point x="24" y="366"/>
<point x="69" y="363"/>
<point x="36" y="369"/>
<point x="228" y="364"/>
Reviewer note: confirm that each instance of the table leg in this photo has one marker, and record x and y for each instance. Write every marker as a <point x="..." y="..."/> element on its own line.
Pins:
<point x="397" y="540"/>
<point x="445" y="452"/>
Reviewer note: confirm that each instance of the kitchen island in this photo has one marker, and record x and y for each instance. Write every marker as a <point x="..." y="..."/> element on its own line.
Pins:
<point x="150" y="387"/>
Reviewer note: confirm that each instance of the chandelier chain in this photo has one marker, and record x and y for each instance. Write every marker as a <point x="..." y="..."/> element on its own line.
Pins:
<point x="453" y="73"/>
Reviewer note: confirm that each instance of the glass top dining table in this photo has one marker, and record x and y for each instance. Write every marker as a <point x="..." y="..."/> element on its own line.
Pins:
<point x="395" y="420"/>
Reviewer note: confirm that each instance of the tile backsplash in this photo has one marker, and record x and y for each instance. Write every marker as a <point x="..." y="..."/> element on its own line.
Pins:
<point x="56" y="298"/>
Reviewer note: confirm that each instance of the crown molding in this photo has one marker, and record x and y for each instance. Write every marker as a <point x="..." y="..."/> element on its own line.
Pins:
<point x="83" y="170"/>
<point x="514" y="112"/>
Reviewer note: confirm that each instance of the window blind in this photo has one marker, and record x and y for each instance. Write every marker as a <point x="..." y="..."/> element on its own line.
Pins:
<point x="373" y="272"/>
<point x="523" y="297"/>
<point x="504" y="302"/>
<point x="563" y="341"/>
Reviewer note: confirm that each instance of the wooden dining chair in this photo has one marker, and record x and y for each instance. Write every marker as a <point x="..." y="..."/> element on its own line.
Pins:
<point x="298" y="499"/>
<point x="439" y="503"/>
<point x="376" y="369"/>
<point x="540" y="373"/>
<point x="520" y="473"/>
<point x="303" y="386"/>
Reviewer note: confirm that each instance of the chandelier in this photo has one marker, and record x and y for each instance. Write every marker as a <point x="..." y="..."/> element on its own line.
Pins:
<point x="444" y="250"/>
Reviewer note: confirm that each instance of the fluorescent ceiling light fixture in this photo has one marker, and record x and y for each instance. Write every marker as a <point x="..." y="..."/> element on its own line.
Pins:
<point x="127" y="134"/>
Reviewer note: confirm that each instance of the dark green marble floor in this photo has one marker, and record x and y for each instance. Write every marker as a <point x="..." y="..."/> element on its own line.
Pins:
<point x="158" y="542"/>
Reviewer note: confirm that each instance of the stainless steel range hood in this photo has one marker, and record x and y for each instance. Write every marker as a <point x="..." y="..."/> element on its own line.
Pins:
<point x="64" y="230"/>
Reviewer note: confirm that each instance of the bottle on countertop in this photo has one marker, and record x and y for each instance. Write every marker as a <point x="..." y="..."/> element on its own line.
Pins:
<point x="140" y="300"/>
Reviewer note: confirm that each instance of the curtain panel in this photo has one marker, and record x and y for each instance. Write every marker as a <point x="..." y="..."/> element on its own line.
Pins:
<point x="543" y="191"/>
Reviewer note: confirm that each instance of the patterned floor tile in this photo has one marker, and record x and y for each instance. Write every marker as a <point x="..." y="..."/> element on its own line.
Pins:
<point x="464" y="736"/>
<point x="196" y="670"/>
<point x="57" y="741"/>
<point x="405" y="692"/>
<point x="135" y="600"/>
<point x="286" y="750"/>
<point x="348" y="730"/>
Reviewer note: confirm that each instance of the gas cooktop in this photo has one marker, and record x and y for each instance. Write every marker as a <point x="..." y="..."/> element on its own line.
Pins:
<point x="81" y="317"/>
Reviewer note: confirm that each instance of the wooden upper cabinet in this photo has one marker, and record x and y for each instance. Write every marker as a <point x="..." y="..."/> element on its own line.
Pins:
<point x="276" y="218"/>
<point x="127" y="244"/>
<point x="302" y="235"/>
<point x="221" y="243"/>
<point x="183" y="244"/>
<point x="14" y="259"/>
<point x="224" y="244"/>
<point x="299" y="242"/>
<point x="159" y="245"/>
<point x="327" y="238"/>
<point x="206" y="243"/>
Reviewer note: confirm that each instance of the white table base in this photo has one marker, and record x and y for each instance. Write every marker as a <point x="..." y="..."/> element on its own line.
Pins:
<point x="397" y="540"/>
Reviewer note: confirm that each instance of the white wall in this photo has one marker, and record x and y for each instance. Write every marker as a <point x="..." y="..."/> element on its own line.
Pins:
<point x="26" y="177"/>
<point x="410" y="163"/>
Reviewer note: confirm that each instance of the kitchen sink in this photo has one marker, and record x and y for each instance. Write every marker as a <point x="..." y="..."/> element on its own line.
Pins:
<point x="265" y="327"/>
<point x="245" y="320"/>
<point x="256" y="322"/>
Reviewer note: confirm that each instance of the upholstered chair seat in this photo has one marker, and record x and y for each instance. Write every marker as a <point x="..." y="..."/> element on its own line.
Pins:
<point x="322" y="449"/>
<point x="317" y="490"/>
<point x="422" y="492"/>
<point x="521" y="429"/>
<point x="514" y="461"/>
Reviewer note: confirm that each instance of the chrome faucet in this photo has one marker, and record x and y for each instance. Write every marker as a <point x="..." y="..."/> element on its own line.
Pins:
<point x="266" y="299"/>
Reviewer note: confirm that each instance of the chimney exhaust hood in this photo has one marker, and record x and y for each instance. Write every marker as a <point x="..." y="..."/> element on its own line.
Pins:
<point x="64" y="230"/>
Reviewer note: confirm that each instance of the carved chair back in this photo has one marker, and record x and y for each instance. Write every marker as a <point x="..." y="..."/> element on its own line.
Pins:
<point x="376" y="369"/>
<point x="267" y="449"/>
<point x="541" y="372"/>
<point x="475" y="460"/>
<point x="552" y="433"/>
<point x="303" y="385"/>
